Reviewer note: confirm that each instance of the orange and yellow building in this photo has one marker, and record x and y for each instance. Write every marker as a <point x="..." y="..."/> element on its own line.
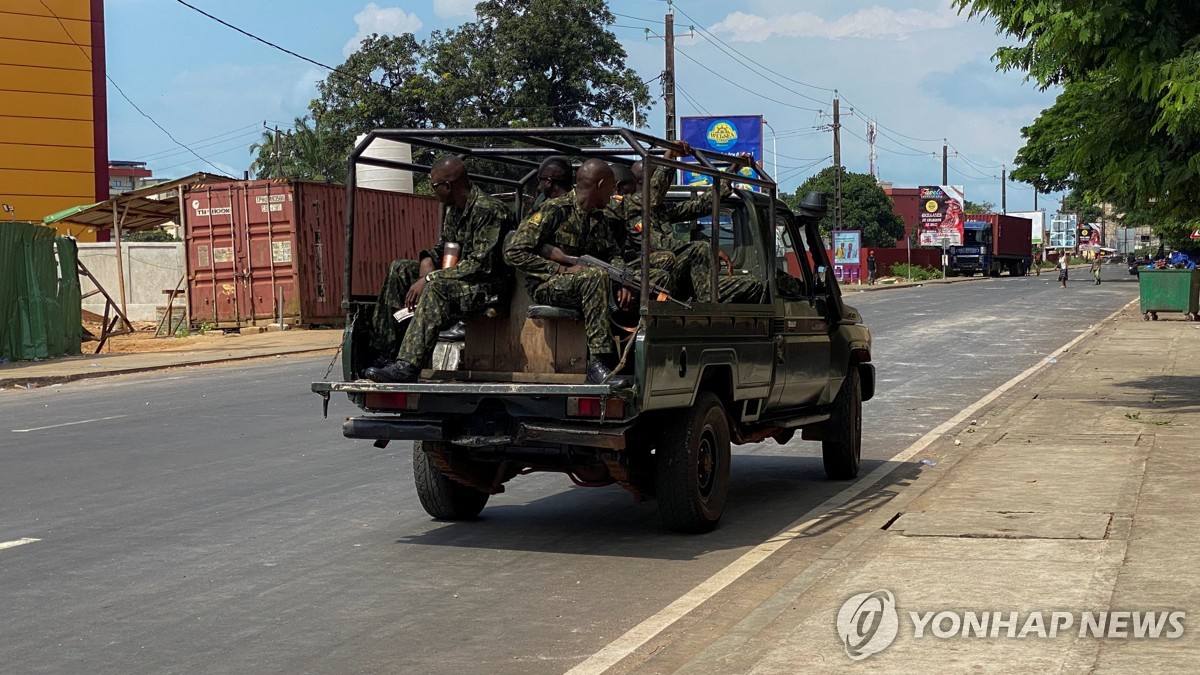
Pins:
<point x="53" y="106"/>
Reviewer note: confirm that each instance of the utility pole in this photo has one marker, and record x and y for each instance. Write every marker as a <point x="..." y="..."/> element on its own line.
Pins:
<point x="1035" y="191"/>
<point x="945" y="165"/>
<point x="669" y="72"/>
<point x="1003" y="189"/>
<point x="837" y="163"/>
<point x="871" y="130"/>
<point x="278" y="155"/>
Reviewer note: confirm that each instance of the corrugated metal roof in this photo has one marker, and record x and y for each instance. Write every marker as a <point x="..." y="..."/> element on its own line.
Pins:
<point x="137" y="210"/>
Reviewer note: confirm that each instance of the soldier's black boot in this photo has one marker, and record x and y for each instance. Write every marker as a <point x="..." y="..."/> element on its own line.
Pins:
<point x="599" y="371"/>
<point x="400" y="371"/>
<point x="455" y="333"/>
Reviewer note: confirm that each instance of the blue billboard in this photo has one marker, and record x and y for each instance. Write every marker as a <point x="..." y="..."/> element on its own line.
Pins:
<point x="730" y="135"/>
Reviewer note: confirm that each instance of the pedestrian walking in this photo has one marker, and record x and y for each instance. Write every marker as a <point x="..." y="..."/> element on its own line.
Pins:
<point x="1037" y="265"/>
<point x="871" y="268"/>
<point x="1062" y="270"/>
<point x="1096" y="263"/>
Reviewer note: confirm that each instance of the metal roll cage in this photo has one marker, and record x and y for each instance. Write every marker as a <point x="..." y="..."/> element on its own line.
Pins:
<point x="539" y="143"/>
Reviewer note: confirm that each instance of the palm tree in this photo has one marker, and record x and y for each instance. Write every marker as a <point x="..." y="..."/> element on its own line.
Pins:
<point x="305" y="152"/>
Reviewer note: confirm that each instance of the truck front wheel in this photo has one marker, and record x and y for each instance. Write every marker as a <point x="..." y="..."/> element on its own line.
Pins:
<point x="842" y="448"/>
<point x="441" y="497"/>
<point x="692" y="467"/>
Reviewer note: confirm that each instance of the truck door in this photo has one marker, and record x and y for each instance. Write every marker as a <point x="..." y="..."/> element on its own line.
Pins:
<point x="802" y="329"/>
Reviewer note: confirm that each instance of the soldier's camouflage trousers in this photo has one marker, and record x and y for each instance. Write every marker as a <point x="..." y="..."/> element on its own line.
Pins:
<point x="695" y="259"/>
<point x="385" y="332"/>
<point x="443" y="302"/>
<point x="739" y="288"/>
<point x="587" y="291"/>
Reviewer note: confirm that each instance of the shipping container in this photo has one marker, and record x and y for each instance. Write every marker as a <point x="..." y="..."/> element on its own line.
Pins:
<point x="253" y="244"/>
<point x="1012" y="235"/>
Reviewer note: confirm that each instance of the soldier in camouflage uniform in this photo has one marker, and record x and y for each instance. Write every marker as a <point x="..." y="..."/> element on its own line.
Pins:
<point x="575" y="224"/>
<point x="692" y="260"/>
<point x="477" y="222"/>
<point x="554" y="180"/>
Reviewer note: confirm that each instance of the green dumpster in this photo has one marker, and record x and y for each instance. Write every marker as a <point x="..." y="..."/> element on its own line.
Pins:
<point x="1169" y="291"/>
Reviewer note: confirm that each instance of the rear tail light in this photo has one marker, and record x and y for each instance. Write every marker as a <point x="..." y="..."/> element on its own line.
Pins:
<point x="391" y="401"/>
<point x="594" y="406"/>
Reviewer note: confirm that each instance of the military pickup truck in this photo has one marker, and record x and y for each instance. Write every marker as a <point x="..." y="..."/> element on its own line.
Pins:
<point x="704" y="377"/>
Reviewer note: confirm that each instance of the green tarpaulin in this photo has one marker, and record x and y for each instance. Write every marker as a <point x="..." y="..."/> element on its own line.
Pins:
<point x="39" y="296"/>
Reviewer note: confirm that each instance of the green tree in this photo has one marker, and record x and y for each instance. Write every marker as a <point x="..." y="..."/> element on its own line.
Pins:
<point x="1125" y="130"/>
<point x="978" y="207"/>
<point x="304" y="152"/>
<point x="865" y="206"/>
<point x="523" y="63"/>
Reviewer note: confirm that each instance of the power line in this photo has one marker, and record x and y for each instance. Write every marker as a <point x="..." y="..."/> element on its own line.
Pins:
<point x="749" y="91"/>
<point x="242" y="138"/>
<point x="255" y="37"/>
<point x="887" y="149"/>
<point x="738" y="56"/>
<point x="122" y="91"/>
<point x="778" y="74"/>
<point x="240" y="131"/>
<point x="161" y="128"/>
<point x="637" y="18"/>
<point x="691" y="100"/>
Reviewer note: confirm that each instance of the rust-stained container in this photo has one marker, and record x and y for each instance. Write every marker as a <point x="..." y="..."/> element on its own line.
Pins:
<point x="251" y="243"/>
<point x="1011" y="235"/>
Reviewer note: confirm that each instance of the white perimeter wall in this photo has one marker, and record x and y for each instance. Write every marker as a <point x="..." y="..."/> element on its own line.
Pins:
<point x="149" y="267"/>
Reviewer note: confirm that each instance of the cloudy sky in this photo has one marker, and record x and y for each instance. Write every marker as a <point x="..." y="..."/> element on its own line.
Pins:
<point x="918" y="69"/>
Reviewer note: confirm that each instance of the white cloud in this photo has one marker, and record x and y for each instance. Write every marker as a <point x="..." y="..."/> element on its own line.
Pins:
<point x="382" y="20"/>
<point x="872" y="22"/>
<point x="449" y="8"/>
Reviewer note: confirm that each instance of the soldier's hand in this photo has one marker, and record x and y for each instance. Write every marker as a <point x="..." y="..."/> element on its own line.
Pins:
<point x="414" y="294"/>
<point x="624" y="298"/>
<point x="723" y="257"/>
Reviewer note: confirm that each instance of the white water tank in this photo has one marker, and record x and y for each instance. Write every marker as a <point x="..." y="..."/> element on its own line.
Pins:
<point x="381" y="178"/>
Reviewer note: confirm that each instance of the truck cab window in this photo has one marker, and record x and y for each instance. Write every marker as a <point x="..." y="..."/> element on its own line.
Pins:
<point x="792" y="265"/>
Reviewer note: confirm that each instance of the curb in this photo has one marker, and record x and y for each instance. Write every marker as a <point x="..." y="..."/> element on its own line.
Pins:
<point x="47" y="380"/>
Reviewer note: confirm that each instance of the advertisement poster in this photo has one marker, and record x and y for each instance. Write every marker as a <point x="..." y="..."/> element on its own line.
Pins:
<point x="846" y="247"/>
<point x="730" y="135"/>
<point x="941" y="215"/>
<point x="1038" y="227"/>
<point x="1089" y="235"/>
<point x="1062" y="230"/>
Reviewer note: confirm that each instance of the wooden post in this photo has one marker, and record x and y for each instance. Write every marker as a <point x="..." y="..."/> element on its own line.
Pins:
<point x="120" y="263"/>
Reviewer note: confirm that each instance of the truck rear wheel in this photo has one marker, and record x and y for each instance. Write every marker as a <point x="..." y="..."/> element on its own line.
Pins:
<point x="692" y="467"/>
<point x="842" y="448"/>
<point x="441" y="497"/>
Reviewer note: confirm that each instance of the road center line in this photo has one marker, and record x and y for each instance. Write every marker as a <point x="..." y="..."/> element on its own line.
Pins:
<point x="645" y="631"/>
<point x="68" y="424"/>
<point x="16" y="542"/>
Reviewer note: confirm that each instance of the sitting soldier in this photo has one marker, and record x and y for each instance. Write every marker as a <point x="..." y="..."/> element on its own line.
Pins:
<point x="476" y="222"/>
<point x="574" y="224"/>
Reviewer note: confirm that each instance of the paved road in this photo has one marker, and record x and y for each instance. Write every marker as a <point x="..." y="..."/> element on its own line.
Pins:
<point x="209" y="520"/>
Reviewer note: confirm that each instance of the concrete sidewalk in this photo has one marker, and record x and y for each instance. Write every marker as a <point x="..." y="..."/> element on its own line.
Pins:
<point x="213" y="348"/>
<point x="1075" y="491"/>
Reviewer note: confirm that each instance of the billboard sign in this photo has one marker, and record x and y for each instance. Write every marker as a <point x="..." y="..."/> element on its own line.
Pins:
<point x="730" y="135"/>
<point x="1062" y="230"/>
<point x="942" y="219"/>
<point x="847" y="245"/>
<point x="1038" y="229"/>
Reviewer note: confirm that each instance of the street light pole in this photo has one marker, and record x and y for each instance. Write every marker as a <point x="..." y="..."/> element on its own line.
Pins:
<point x="774" y="152"/>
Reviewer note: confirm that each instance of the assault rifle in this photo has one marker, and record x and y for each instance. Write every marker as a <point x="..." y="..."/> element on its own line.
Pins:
<point x="619" y="275"/>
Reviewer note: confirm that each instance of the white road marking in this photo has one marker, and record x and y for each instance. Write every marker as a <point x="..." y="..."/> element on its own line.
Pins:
<point x="68" y="424"/>
<point x="16" y="542"/>
<point x="645" y="631"/>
